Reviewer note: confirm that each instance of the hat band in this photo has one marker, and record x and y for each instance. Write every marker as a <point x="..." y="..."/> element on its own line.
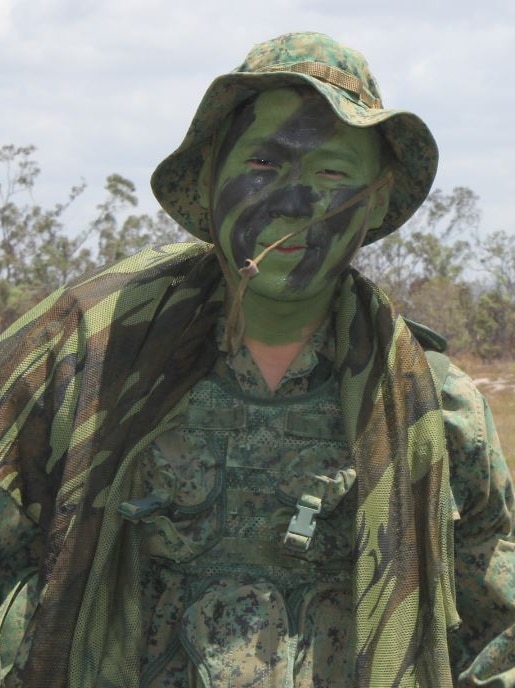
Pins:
<point x="333" y="75"/>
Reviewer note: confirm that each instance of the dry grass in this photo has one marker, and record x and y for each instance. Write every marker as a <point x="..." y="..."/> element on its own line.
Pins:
<point x="497" y="382"/>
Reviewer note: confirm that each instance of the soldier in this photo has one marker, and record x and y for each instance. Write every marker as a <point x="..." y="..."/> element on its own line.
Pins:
<point x="233" y="463"/>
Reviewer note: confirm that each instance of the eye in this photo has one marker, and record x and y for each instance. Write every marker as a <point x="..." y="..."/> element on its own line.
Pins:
<point x="334" y="175"/>
<point x="261" y="164"/>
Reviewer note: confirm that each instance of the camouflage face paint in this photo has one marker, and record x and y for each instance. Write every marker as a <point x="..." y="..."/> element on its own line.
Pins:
<point x="285" y="159"/>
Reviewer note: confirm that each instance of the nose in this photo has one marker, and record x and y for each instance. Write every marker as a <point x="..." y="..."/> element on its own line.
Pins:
<point x="292" y="201"/>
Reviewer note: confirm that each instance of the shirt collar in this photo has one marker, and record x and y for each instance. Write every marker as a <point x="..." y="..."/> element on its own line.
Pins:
<point x="247" y="373"/>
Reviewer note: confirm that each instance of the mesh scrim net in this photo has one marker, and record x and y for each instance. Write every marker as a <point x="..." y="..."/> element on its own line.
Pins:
<point x="97" y="380"/>
<point x="403" y="583"/>
<point x="103" y="361"/>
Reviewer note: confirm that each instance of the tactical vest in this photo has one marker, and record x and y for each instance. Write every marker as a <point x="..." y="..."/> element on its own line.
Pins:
<point x="249" y="528"/>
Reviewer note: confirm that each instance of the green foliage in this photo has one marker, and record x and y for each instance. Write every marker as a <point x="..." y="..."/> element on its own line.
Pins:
<point x="493" y="319"/>
<point x="36" y="255"/>
<point x="444" y="306"/>
<point x="425" y="248"/>
<point x="432" y="275"/>
<point x="37" y="251"/>
<point x="493" y="325"/>
<point x="118" y="236"/>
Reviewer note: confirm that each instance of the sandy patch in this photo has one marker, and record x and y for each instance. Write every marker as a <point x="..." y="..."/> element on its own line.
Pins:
<point x="499" y="384"/>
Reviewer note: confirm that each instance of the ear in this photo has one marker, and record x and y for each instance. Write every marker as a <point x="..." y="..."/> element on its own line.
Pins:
<point x="380" y="201"/>
<point x="205" y="176"/>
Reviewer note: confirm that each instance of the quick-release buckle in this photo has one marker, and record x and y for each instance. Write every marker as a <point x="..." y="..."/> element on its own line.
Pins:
<point x="302" y="526"/>
<point x="138" y="509"/>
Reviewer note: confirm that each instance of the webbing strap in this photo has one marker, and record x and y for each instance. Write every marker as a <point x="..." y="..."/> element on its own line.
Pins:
<point x="332" y="75"/>
<point x="439" y="364"/>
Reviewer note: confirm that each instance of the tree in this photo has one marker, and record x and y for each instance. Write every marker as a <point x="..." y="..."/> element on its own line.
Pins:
<point x="120" y="236"/>
<point x="446" y="307"/>
<point x="494" y="318"/>
<point x="422" y="266"/>
<point x="496" y="259"/>
<point x="38" y="253"/>
<point x="493" y="326"/>
<point x="425" y="248"/>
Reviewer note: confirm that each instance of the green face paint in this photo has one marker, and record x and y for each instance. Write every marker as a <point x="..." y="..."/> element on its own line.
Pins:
<point x="284" y="162"/>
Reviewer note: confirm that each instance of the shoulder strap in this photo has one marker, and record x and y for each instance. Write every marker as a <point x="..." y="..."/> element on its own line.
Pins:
<point x="426" y="336"/>
<point x="434" y="345"/>
<point x="439" y="365"/>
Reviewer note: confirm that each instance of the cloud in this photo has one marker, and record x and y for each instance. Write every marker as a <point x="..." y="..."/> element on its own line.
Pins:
<point x="111" y="86"/>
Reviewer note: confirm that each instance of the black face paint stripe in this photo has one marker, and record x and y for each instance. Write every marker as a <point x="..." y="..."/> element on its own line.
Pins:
<point x="242" y="119"/>
<point x="316" y="125"/>
<point x="352" y="248"/>
<point x="256" y="217"/>
<point x="320" y="236"/>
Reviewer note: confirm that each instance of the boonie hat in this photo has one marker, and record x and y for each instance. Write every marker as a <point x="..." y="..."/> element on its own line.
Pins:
<point x="342" y="76"/>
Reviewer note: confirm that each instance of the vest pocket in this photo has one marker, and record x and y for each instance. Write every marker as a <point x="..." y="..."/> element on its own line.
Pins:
<point x="182" y="537"/>
<point x="319" y="426"/>
<point x="237" y="634"/>
<point x="182" y="514"/>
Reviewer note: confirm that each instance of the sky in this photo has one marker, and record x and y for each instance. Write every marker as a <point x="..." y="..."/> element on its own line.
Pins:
<point x="110" y="86"/>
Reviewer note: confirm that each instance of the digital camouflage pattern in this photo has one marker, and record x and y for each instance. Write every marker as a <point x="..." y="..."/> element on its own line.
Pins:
<point x="483" y="649"/>
<point x="243" y="582"/>
<point x="246" y="601"/>
<point x="344" y="79"/>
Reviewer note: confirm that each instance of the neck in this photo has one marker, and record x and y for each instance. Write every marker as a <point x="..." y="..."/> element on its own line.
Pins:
<point x="277" y="331"/>
<point x="280" y="323"/>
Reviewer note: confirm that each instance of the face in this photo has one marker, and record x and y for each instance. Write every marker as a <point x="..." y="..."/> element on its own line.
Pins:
<point x="283" y="162"/>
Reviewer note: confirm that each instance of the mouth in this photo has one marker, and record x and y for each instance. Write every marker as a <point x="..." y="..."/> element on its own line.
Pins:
<point x="287" y="249"/>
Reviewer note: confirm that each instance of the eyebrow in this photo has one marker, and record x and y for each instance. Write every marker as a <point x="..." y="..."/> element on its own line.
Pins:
<point x="260" y="146"/>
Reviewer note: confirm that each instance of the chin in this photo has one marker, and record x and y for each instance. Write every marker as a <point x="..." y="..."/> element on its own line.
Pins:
<point x="280" y="292"/>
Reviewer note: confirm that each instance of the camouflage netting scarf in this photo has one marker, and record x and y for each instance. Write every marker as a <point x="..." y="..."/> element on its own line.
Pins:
<point x="94" y="370"/>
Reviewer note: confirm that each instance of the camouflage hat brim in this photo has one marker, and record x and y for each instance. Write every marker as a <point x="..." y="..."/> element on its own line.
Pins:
<point x="175" y="181"/>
